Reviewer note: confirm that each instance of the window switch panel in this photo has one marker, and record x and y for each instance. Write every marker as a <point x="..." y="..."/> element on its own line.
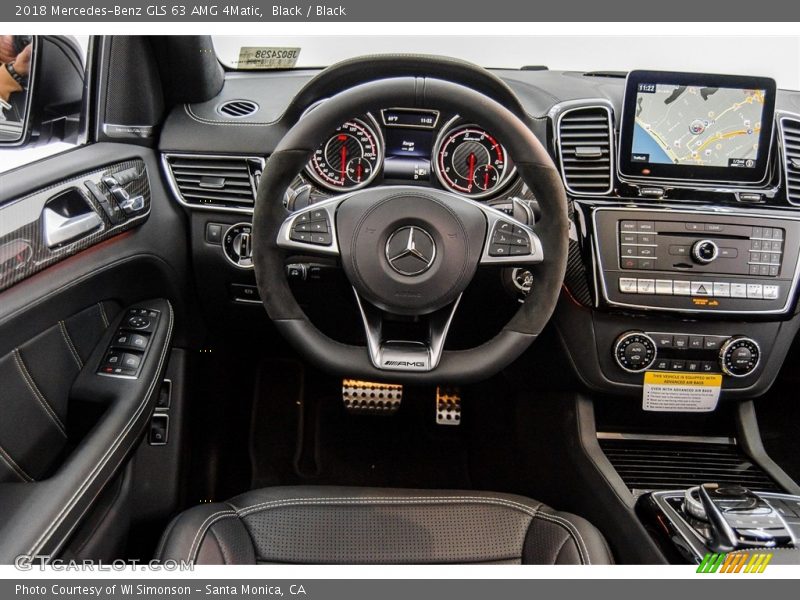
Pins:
<point x="128" y="348"/>
<point x="127" y="340"/>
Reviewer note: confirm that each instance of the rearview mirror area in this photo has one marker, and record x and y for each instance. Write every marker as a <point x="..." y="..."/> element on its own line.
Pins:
<point x="41" y="89"/>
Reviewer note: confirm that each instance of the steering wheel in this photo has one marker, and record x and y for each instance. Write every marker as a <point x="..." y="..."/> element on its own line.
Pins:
<point x="408" y="250"/>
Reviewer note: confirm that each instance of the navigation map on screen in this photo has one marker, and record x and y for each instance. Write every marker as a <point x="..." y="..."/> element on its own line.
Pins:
<point x="703" y="126"/>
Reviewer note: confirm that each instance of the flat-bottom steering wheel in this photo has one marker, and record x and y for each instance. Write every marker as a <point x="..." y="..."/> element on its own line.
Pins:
<point x="408" y="250"/>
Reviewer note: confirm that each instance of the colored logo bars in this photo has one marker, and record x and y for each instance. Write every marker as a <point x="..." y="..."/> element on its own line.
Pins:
<point x="740" y="562"/>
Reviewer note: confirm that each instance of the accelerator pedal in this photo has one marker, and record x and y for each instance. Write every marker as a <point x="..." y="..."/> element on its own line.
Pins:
<point x="448" y="406"/>
<point x="369" y="398"/>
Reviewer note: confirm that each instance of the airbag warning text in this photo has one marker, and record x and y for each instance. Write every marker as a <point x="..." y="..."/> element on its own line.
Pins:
<point x="680" y="392"/>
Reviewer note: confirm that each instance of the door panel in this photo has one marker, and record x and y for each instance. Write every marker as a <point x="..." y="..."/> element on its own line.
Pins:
<point x="68" y="431"/>
<point x="37" y="377"/>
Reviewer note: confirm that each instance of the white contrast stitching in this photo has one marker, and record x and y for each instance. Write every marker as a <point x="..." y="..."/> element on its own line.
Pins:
<point x="117" y="441"/>
<point x="385" y="500"/>
<point x="65" y="334"/>
<point x="12" y="464"/>
<point x="26" y="376"/>
<point x="571" y="530"/>
<point x="204" y="527"/>
<point x="103" y="314"/>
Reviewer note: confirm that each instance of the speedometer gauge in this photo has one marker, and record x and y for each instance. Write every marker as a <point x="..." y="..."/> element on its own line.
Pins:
<point x="470" y="161"/>
<point x="349" y="159"/>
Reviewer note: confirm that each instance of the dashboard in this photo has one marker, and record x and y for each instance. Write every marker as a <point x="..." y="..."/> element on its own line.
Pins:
<point x="684" y="195"/>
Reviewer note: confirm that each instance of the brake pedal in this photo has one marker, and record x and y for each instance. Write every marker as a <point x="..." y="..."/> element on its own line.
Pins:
<point x="369" y="398"/>
<point x="448" y="406"/>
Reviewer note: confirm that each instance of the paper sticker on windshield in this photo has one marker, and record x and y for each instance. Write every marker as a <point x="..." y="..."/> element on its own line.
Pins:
<point x="267" y="57"/>
<point x="681" y="392"/>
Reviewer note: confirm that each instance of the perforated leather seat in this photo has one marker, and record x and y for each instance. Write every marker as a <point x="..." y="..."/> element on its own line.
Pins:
<point x="367" y="525"/>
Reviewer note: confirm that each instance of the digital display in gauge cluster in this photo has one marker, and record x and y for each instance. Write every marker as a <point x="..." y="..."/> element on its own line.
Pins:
<point x="412" y="146"/>
<point x="409" y="140"/>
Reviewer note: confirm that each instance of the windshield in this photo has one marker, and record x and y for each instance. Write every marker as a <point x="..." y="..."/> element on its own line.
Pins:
<point x="712" y="54"/>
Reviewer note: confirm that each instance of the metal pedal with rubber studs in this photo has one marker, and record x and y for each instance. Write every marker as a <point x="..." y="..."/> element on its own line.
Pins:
<point x="448" y="406"/>
<point x="369" y="398"/>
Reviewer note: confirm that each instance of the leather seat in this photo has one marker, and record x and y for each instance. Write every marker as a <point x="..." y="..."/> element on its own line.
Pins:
<point x="339" y="525"/>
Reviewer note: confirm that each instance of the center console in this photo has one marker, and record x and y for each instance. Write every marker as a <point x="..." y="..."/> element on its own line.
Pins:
<point x="676" y="287"/>
<point x="713" y="519"/>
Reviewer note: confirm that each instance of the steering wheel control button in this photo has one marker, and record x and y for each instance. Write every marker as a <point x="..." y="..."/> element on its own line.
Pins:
<point x="237" y="245"/>
<point x="499" y="250"/>
<point x="635" y="351"/>
<point x="509" y="240"/>
<point x="410" y="251"/>
<point x="739" y="356"/>
<point x="312" y="227"/>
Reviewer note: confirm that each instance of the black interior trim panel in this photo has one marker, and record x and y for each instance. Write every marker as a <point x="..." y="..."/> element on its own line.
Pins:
<point x="24" y="245"/>
<point x="39" y="516"/>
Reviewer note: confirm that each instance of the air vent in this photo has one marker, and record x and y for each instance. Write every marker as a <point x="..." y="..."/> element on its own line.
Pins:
<point x="672" y="465"/>
<point x="586" y="150"/>
<point x="238" y="109"/>
<point x="215" y="180"/>
<point x="790" y="134"/>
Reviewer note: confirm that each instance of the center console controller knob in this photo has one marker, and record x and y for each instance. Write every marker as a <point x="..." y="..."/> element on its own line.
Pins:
<point x="704" y="251"/>
<point x="739" y="356"/>
<point x="635" y="351"/>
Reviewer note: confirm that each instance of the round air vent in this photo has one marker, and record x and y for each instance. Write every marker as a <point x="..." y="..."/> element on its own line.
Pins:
<point x="237" y="109"/>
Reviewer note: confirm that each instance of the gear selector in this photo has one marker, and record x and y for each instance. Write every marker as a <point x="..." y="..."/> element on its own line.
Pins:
<point x="739" y="519"/>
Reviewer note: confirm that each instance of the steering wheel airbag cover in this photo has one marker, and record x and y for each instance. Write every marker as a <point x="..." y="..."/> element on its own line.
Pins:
<point x="366" y="223"/>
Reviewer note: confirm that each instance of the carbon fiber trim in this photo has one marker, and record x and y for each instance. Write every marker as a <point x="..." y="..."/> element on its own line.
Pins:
<point x="576" y="278"/>
<point x="23" y="251"/>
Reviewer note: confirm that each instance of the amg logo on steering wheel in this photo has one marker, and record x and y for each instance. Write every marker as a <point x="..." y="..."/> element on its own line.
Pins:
<point x="404" y="363"/>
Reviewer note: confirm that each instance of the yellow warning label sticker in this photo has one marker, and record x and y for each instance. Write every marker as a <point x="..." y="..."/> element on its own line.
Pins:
<point x="669" y="391"/>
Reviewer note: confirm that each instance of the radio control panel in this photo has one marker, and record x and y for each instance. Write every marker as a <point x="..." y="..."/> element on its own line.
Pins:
<point x="696" y="261"/>
<point x="702" y="247"/>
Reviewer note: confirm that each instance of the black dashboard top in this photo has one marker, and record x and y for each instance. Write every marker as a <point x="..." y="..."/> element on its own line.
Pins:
<point x="199" y="127"/>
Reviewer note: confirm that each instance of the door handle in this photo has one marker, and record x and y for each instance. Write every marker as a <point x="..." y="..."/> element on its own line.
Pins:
<point x="67" y="217"/>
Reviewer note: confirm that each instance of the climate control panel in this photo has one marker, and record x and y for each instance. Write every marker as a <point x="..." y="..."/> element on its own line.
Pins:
<point x="734" y="356"/>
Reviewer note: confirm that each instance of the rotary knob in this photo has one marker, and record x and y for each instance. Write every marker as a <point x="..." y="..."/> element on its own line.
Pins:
<point x="739" y="356"/>
<point x="635" y="351"/>
<point x="704" y="251"/>
<point x="237" y="245"/>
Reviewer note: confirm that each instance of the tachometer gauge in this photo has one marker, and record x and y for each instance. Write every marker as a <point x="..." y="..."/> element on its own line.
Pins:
<point x="349" y="159"/>
<point x="470" y="161"/>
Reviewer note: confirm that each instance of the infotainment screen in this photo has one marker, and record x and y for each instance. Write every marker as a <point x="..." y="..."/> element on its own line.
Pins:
<point x="691" y="126"/>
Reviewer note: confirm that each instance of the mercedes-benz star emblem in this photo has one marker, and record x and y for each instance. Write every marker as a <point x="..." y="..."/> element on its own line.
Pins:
<point x="410" y="251"/>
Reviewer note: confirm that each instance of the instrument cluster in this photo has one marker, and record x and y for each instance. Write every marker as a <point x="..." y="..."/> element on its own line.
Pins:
<point x="412" y="146"/>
